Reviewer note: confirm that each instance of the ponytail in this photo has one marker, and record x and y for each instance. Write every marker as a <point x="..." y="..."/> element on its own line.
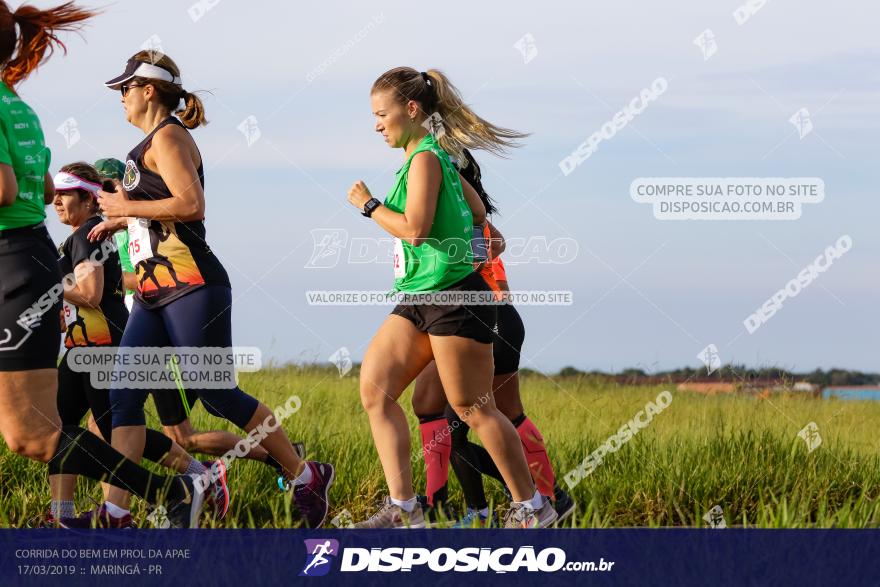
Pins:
<point x="463" y="128"/>
<point x="470" y="171"/>
<point x="192" y="115"/>
<point x="36" y="39"/>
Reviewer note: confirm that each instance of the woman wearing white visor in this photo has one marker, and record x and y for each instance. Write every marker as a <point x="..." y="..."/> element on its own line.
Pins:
<point x="184" y="297"/>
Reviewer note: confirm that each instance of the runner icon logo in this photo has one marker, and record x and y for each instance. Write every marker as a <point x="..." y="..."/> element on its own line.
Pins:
<point x="318" y="553"/>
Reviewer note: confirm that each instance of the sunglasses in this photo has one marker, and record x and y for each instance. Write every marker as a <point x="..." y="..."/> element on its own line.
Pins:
<point x="126" y="87"/>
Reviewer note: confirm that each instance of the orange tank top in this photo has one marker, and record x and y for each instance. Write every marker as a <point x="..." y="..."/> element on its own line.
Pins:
<point x="493" y="269"/>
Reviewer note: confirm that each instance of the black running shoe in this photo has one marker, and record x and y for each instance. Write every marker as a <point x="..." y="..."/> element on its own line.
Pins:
<point x="185" y="512"/>
<point x="562" y="503"/>
<point x="445" y="515"/>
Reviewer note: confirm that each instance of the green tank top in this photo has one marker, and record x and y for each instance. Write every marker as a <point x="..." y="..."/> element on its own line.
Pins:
<point x="23" y="148"/>
<point x="446" y="257"/>
<point x="124" y="258"/>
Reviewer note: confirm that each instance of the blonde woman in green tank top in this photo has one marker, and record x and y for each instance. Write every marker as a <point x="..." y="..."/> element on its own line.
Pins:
<point x="431" y="212"/>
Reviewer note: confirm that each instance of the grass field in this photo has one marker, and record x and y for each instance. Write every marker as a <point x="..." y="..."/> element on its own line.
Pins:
<point x="738" y="452"/>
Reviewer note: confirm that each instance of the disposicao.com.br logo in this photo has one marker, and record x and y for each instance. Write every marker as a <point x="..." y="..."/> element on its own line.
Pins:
<point x="444" y="559"/>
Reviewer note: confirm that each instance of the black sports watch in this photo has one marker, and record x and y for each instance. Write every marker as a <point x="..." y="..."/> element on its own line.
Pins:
<point x="370" y="207"/>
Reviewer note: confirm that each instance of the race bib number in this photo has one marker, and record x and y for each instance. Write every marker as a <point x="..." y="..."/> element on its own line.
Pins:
<point x="139" y="248"/>
<point x="399" y="259"/>
<point x="69" y="313"/>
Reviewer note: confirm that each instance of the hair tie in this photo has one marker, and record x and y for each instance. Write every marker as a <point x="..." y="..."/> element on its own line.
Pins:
<point x="427" y="78"/>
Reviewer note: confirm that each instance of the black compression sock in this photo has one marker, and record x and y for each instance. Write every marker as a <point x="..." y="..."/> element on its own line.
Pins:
<point x="485" y="463"/>
<point x="156" y="446"/>
<point x="441" y="496"/>
<point x="80" y="452"/>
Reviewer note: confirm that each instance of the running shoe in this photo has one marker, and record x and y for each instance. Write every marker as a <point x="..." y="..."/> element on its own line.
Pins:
<point x="474" y="519"/>
<point x="185" y="513"/>
<point x="98" y="518"/>
<point x="393" y="516"/>
<point x="521" y="515"/>
<point x="562" y="503"/>
<point x="46" y="520"/>
<point x="312" y="499"/>
<point x="437" y="515"/>
<point x="218" y="491"/>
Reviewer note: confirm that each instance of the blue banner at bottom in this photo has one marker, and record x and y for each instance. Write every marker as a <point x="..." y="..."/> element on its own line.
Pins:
<point x="511" y="557"/>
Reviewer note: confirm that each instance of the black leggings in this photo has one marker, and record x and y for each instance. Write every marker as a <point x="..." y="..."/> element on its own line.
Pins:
<point x="76" y="396"/>
<point x="202" y="318"/>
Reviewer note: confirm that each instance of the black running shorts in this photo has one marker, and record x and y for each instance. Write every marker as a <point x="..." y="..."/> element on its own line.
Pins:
<point x="507" y="344"/>
<point x="30" y="300"/>
<point x="468" y="321"/>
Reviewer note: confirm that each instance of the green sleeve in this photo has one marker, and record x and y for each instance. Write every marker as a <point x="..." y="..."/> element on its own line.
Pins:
<point x="122" y="244"/>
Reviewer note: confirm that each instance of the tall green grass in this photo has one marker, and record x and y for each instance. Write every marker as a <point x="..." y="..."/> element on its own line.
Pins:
<point x="738" y="452"/>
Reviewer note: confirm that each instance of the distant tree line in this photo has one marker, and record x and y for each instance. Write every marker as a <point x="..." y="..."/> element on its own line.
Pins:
<point x="731" y="373"/>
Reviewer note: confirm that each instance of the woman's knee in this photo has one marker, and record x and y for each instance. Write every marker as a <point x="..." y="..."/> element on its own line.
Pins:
<point x="127" y="407"/>
<point x="511" y="407"/>
<point x="234" y="405"/>
<point x="39" y="447"/>
<point x="373" y="397"/>
<point x="426" y="402"/>
<point x="474" y="415"/>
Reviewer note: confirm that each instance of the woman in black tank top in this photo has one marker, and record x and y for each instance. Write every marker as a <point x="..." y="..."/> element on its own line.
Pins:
<point x="183" y="297"/>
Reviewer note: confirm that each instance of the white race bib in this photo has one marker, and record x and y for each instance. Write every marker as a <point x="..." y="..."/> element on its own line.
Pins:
<point x="399" y="259"/>
<point x="69" y="313"/>
<point x="139" y="248"/>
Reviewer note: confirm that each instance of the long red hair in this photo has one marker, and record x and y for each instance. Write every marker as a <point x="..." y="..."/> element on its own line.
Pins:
<point x="22" y="53"/>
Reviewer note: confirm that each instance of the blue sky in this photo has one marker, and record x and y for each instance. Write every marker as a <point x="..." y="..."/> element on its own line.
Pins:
<point x="647" y="293"/>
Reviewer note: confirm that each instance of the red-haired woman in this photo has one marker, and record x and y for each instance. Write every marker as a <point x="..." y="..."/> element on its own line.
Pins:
<point x="31" y="288"/>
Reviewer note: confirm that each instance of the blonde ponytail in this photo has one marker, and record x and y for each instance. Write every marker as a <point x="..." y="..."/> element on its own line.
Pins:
<point x="462" y="127"/>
